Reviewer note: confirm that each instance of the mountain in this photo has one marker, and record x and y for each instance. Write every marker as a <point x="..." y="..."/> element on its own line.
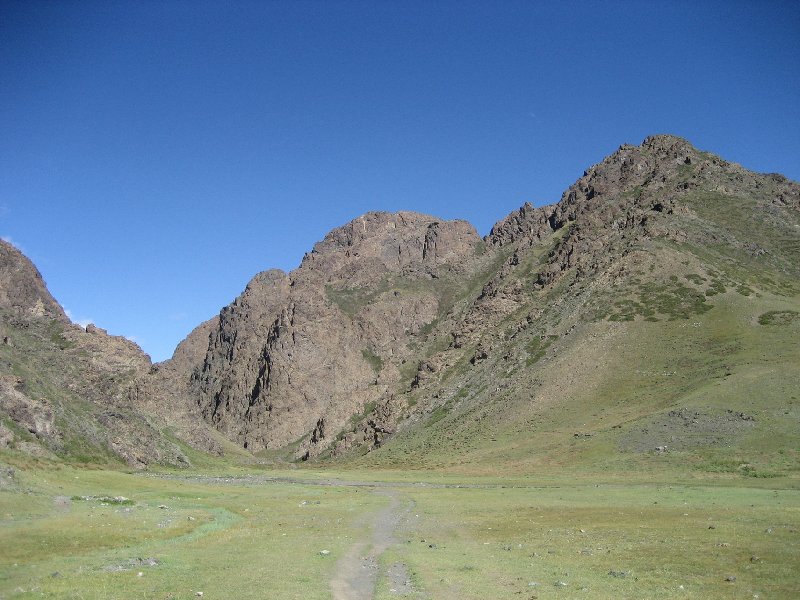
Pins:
<point x="66" y="390"/>
<point x="652" y="312"/>
<point x="412" y="335"/>
<point x="298" y="355"/>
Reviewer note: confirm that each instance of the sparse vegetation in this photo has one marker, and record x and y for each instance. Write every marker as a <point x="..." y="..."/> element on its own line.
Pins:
<point x="56" y="331"/>
<point x="778" y="317"/>
<point x="351" y="300"/>
<point x="375" y="361"/>
<point x="537" y="348"/>
<point x="652" y="301"/>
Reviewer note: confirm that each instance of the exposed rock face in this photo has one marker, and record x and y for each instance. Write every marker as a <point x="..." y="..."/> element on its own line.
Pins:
<point x="165" y="393"/>
<point x="297" y="355"/>
<point x="22" y="289"/>
<point x="528" y="223"/>
<point x="35" y="415"/>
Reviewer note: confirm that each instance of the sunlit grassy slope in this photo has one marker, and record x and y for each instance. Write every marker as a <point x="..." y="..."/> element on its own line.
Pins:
<point x="607" y="399"/>
<point x="681" y="355"/>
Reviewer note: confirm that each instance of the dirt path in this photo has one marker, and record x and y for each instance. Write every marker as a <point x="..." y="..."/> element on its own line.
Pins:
<point x="357" y="571"/>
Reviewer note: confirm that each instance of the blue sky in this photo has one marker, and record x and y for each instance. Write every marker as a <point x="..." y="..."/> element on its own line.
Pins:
<point x="154" y="156"/>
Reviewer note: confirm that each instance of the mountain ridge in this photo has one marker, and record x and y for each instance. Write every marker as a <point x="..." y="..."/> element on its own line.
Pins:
<point x="411" y="338"/>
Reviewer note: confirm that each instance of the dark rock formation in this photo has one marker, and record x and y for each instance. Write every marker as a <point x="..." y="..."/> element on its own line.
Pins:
<point x="321" y="343"/>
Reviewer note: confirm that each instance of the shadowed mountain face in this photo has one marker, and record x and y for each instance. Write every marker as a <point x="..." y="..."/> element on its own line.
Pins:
<point x="297" y="356"/>
<point x="662" y="286"/>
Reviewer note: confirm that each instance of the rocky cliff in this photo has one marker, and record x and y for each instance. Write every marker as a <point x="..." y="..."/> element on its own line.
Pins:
<point x="298" y="355"/>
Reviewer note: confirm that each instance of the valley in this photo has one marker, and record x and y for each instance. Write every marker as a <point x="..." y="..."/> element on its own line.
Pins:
<point x="600" y="398"/>
<point x="323" y="534"/>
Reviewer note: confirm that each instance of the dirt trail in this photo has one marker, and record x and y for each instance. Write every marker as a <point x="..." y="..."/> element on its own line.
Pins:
<point x="357" y="571"/>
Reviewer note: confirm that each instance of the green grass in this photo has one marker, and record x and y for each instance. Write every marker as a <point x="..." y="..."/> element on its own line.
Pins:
<point x="753" y="247"/>
<point x="778" y="317"/>
<point x="521" y="541"/>
<point x="654" y="301"/>
<point x="256" y="534"/>
<point x="351" y="300"/>
<point x="230" y="538"/>
<point x="612" y="380"/>
<point x="537" y="349"/>
<point x="375" y="361"/>
<point x="56" y="331"/>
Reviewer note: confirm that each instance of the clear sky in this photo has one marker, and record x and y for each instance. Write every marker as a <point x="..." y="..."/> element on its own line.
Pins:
<point x="154" y="156"/>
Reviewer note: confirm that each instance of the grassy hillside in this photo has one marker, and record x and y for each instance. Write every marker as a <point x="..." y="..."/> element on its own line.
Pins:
<point x="670" y="343"/>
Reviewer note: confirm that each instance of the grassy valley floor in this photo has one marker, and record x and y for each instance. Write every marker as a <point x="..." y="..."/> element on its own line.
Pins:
<point x="82" y="533"/>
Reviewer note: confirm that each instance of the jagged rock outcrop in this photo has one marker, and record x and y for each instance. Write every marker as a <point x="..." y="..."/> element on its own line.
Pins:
<point x="528" y="222"/>
<point x="297" y="355"/>
<point x="23" y="292"/>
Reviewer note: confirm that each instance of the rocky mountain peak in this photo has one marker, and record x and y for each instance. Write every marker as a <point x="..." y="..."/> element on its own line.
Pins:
<point x="527" y="221"/>
<point x="666" y="142"/>
<point x="307" y="350"/>
<point x="266" y="278"/>
<point x="22" y="289"/>
<point x="653" y="163"/>
<point x="377" y="243"/>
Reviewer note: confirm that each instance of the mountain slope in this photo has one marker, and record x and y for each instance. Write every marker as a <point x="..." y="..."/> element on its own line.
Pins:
<point x="296" y="356"/>
<point x="66" y="391"/>
<point x="661" y="312"/>
<point x="557" y="323"/>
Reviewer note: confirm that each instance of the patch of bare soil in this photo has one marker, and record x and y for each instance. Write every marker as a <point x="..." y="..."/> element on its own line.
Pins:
<point x="357" y="571"/>
<point x="399" y="580"/>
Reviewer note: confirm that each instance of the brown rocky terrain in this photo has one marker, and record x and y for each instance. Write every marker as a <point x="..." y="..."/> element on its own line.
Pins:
<point x="298" y="355"/>
<point x="406" y="328"/>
